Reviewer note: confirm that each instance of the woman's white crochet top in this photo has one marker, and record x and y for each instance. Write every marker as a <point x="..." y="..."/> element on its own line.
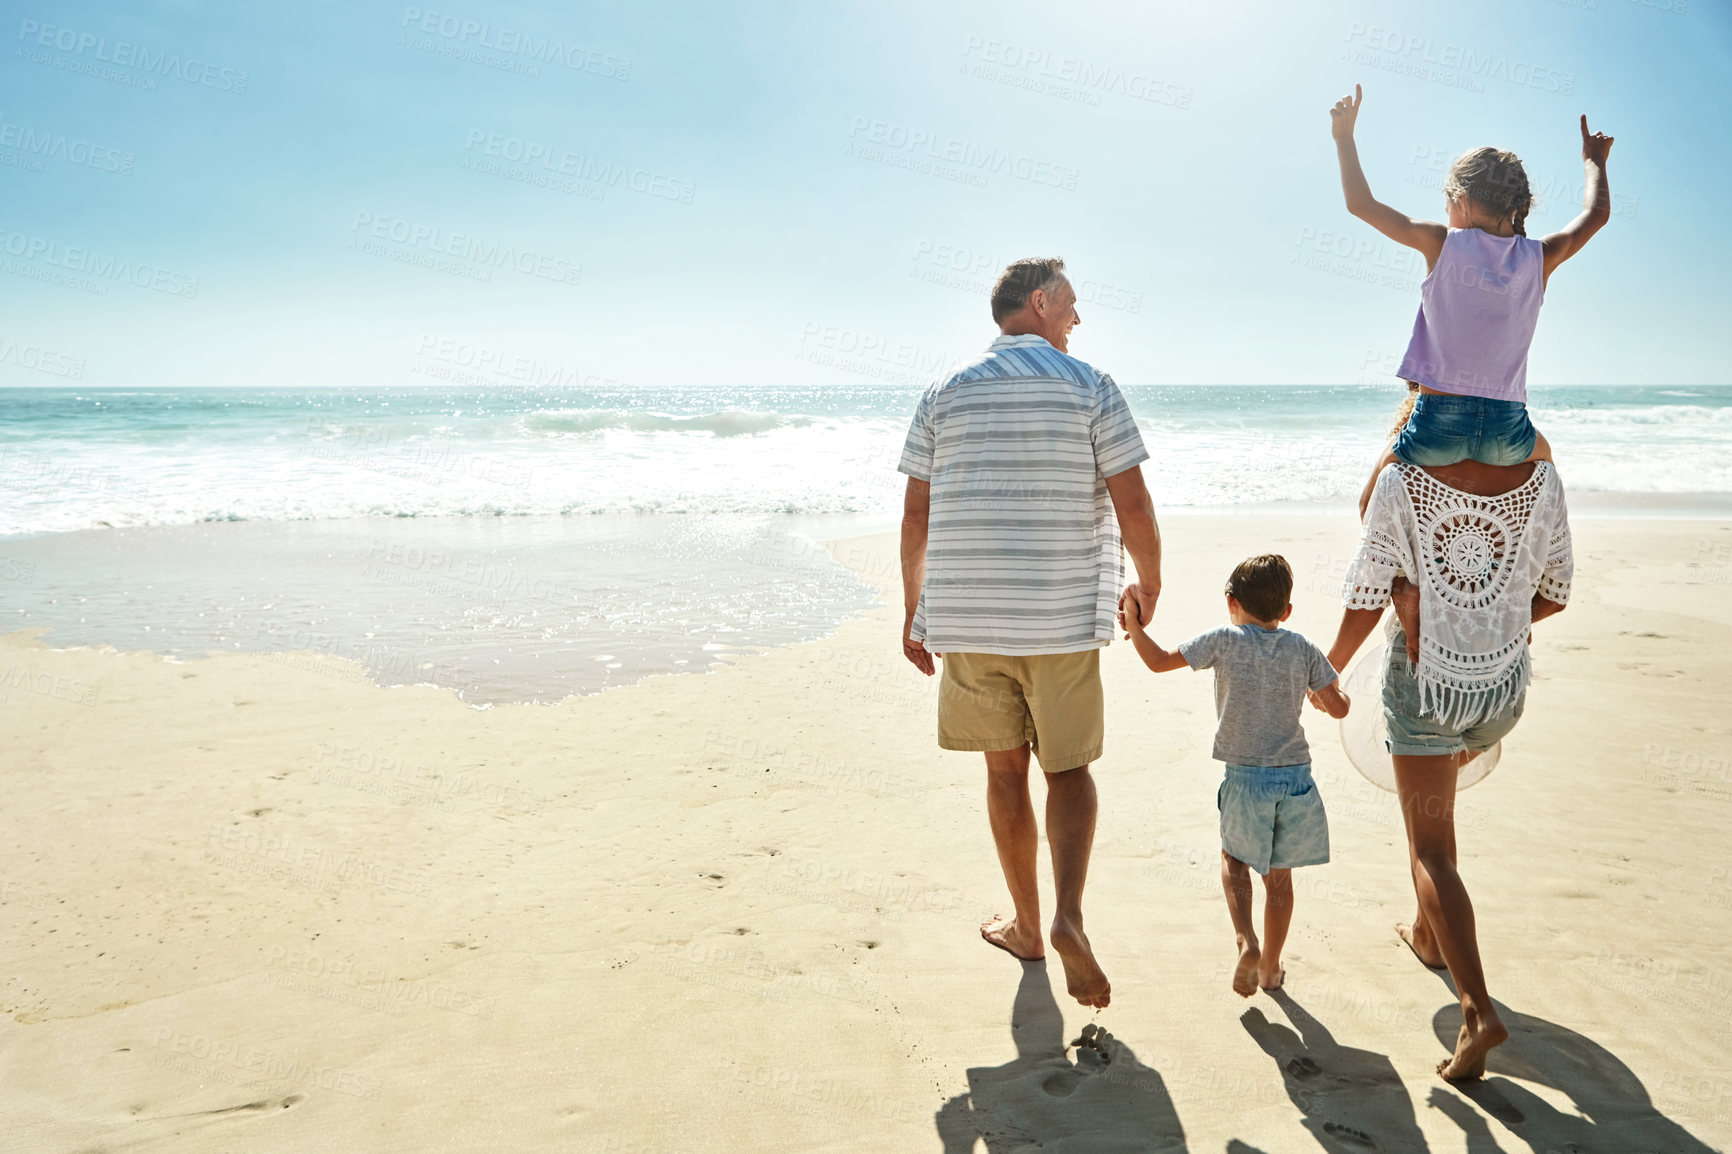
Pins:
<point x="1478" y="561"/>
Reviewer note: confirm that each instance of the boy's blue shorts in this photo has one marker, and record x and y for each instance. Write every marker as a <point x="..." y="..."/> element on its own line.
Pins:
<point x="1272" y="817"/>
<point x="1444" y="430"/>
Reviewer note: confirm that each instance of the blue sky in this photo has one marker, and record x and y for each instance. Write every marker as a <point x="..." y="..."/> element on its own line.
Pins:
<point x="378" y="194"/>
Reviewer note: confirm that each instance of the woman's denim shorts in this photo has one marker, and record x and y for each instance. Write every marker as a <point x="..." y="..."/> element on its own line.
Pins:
<point x="1411" y="734"/>
<point x="1445" y="430"/>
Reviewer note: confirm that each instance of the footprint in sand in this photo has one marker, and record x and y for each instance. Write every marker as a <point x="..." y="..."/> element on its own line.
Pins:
<point x="1061" y="1085"/>
<point x="1347" y="1135"/>
<point x="1093" y="1049"/>
<point x="1304" y="1068"/>
<point x="1093" y="1054"/>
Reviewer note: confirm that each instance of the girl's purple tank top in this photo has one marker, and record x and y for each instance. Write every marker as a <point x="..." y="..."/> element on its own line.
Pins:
<point x="1477" y="312"/>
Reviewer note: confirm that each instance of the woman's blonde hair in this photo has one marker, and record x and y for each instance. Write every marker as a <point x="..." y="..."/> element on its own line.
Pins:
<point x="1405" y="411"/>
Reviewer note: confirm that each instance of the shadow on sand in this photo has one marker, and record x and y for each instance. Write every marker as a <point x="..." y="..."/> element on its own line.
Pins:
<point x="1616" y="1116"/>
<point x="1353" y="1100"/>
<point x="1106" y="1101"/>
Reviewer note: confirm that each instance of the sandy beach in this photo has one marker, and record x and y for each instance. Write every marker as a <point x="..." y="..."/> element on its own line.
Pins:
<point x="256" y="902"/>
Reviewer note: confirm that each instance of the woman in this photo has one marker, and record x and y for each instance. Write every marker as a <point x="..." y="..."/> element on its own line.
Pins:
<point x="1479" y="553"/>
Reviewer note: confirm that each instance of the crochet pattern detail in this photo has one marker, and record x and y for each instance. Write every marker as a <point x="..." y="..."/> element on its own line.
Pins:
<point x="1478" y="562"/>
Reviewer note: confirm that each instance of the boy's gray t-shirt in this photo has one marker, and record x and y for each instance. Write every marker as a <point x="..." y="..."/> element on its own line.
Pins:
<point x="1261" y="677"/>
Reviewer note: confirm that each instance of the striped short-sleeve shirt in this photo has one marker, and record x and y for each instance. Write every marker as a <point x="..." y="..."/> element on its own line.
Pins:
<point x="1023" y="553"/>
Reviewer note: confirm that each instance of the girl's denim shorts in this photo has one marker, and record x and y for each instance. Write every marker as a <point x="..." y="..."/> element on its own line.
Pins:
<point x="1445" y="430"/>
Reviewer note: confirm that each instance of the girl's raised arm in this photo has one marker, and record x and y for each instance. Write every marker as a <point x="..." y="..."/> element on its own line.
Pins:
<point x="1596" y="202"/>
<point x="1425" y="235"/>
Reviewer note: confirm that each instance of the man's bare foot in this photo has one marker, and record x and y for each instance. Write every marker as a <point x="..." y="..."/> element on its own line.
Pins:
<point x="1480" y="1034"/>
<point x="1423" y="945"/>
<point x="1013" y="939"/>
<point x="1245" y="973"/>
<point x="1082" y="974"/>
<point x="1270" y="982"/>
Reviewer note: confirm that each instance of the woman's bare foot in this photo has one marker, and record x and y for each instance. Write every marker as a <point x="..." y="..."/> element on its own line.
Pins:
<point x="1268" y="981"/>
<point x="1012" y="939"/>
<point x="1082" y="974"/>
<point x="1480" y="1034"/>
<point x="1420" y="940"/>
<point x="1245" y="972"/>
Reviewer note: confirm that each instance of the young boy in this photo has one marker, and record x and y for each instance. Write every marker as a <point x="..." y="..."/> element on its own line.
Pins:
<point x="1272" y="818"/>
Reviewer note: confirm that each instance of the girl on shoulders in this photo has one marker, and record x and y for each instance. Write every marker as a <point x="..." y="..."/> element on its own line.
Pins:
<point x="1480" y="301"/>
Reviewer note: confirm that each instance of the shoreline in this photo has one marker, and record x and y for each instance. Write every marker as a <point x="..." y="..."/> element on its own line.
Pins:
<point x="1605" y="504"/>
<point x="851" y="542"/>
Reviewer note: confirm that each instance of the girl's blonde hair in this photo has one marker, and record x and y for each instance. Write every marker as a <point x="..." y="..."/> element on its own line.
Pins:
<point x="1494" y="178"/>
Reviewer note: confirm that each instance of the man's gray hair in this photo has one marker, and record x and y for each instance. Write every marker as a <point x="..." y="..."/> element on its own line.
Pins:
<point x="1019" y="280"/>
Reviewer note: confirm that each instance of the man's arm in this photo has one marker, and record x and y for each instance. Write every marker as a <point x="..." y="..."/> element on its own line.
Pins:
<point x="916" y="516"/>
<point x="1427" y="236"/>
<point x="1140" y="533"/>
<point x="1596" y="202"/>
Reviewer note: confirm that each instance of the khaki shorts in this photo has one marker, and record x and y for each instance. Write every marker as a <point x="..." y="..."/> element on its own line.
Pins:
<point x="1050" y="701"/>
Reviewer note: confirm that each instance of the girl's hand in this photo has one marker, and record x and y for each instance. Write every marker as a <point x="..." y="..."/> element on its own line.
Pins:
<point x="1346" y="113"/>
<point x="1595" y="146"/>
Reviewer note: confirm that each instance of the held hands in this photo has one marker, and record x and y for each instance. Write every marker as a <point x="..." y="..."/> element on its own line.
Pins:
<point x="1136" y="608"/>
<point x="1331" y="700"/>
<point x="1345" y="115"/>
<point x="1595" y="146"/>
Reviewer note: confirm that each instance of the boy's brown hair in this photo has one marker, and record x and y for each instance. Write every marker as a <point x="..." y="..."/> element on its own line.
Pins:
<point x="1263" y="586"/>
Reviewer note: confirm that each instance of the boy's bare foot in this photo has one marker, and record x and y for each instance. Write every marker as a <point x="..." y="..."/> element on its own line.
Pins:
<point x="1480" y="1034"/>
<point x="1423" y="945"/>
<point x="1012" y="939"/>
<point x="1270" y="982"/>
<point x="1082" y="974"/>
<point x="1245" y="973"/>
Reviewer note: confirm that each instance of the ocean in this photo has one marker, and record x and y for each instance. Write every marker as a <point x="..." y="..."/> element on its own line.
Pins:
<point x="522" y="544"/>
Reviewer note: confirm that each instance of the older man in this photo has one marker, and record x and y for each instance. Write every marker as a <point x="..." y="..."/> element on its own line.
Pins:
<point x="1011" y="566"/>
